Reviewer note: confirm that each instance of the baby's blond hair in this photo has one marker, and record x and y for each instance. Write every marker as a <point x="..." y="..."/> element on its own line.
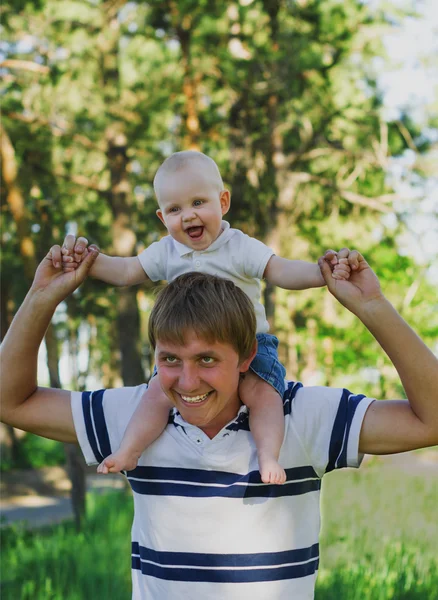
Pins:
<point x="179" y="160"/>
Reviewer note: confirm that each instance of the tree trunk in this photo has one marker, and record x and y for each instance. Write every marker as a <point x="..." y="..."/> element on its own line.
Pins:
<point x="310" y="369"/>
<point x="120" y="200"/>
<point x="124" y="241"/>
<point x="15" y="201"/>
<point x="189" y="87"/>
<point x="73" y="454"/>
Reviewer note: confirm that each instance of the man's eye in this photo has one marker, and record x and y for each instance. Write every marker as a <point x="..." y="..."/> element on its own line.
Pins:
<point x="207" y="360"/>
<point x="198" y="202"/>
<point x="170" y="360"/>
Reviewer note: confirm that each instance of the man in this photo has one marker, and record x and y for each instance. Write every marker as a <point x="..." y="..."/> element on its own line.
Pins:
<point x="205" y="525"/>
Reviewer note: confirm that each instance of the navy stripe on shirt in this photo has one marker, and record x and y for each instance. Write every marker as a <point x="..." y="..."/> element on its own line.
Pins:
<point x="161" y="481"/>
<point x="100" y="423"/>
<point x="341" y="430"/>
<point x="192" y="566"/>
<point x="218" y="477"/>
<point x="289" y="395"/>
<point x="198" y="559"/>
<point x="95" y="425"/>
<point x="86" y="409"/>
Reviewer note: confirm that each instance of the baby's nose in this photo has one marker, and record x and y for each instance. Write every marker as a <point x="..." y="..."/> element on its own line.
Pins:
<point x="189" y="215"/>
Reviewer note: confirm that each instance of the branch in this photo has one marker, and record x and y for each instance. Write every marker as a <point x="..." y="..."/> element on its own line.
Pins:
<point x="24" y="65"/>
<point x="83" y="181"/>
<point x="377" y="203"/>
<point x="406" y="136"/>
<point x="58" y="129"/>
<point x="129" y="116"/>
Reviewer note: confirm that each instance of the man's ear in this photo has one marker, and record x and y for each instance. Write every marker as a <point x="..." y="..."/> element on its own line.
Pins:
<point x="244" y="365"/>
<point x="159" y="214"/>
<point x="225" y="200"/>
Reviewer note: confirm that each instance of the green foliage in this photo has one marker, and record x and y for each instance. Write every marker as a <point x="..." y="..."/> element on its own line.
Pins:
<point x="35" y="452"/>
<point x="286" y="101"/>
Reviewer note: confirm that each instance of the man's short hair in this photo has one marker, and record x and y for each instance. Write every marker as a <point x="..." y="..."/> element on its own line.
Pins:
<point x="215" y="309"/>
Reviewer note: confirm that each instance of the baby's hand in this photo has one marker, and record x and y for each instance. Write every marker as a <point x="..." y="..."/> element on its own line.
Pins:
<point x="342" y="269"/>
<point x="73" y="252"/>
<point x="338" y="262"/>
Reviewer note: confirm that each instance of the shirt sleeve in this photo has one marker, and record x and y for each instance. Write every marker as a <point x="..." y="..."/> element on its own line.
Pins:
<point x="101" y="417"/>
<point x="255" y="256"/>
<point x="154" y="260"/>
<point x="328" y="421"/>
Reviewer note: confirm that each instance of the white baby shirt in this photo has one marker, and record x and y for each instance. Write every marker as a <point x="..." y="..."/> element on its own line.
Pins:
<point x="233" y="255"/>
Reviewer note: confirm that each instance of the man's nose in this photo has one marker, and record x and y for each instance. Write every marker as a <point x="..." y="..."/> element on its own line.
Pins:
<point x="189" y="379"/>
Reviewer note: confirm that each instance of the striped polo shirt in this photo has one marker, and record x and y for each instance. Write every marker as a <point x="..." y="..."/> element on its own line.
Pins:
<point x="205" y="526"/>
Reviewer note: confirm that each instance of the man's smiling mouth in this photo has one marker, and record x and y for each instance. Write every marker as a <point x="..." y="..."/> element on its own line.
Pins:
<point x="195" y="399"/>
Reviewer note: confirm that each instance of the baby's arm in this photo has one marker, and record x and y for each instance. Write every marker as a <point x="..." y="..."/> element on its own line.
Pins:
<point x="302" y="275"/>
<point x="119" y="271"/>
<point x="115" y="270"/>
<point x="146" y="425"/>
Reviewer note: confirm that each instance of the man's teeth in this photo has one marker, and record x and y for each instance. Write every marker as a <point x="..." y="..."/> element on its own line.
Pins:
<point x="194" y="399"/>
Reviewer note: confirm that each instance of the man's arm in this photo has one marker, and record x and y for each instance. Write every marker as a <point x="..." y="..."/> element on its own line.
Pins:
<point x="115" y="270"/>
<point x="302" y="275"/>
<point x="45" y="412"/>
<point x="395" y="425"/>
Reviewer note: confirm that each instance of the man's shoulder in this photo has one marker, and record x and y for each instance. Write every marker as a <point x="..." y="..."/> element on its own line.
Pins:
<point x="111" y="395"/>
<point x="297" y="393"/>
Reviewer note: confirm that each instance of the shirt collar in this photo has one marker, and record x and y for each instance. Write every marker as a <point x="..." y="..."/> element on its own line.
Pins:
<point x="226" y="234"/>
<point x="239" y="422"/>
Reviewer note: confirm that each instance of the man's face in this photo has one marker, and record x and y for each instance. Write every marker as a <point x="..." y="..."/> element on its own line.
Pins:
<point x="201" y="380"/>
<point x="192" y="205"/>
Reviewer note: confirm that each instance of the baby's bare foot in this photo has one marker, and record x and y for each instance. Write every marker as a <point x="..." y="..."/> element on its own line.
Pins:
<point x="119" y="461"/>
<point x="271" y="472"/>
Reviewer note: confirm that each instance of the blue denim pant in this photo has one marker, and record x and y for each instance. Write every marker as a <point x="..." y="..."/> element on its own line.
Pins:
<point x="266" y="364"/>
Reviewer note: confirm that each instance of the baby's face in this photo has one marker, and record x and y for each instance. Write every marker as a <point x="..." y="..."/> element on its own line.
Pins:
<point x="192" y="205"/>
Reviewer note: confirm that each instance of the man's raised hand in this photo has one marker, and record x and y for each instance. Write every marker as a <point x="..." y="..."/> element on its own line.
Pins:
<point x="360" y="289"/>
<point x="56" y="283"/>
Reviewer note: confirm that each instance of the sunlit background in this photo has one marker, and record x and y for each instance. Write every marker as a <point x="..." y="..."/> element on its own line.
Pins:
<point x="323" y="118"/>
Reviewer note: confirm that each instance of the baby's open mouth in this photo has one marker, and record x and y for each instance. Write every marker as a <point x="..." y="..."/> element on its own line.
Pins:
<point x="195" y="232"/>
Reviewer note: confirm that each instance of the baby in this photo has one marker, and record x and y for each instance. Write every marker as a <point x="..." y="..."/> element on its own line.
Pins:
<point x="192" y="201"/>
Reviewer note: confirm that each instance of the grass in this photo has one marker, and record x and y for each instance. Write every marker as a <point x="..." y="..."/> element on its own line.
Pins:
<point x="379" y="535"/>
<point x="57" y="563"/>
<point x="378" y="542"/>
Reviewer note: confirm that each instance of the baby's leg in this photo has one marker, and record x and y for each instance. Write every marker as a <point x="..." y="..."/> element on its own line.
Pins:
<point x="266" y="421"/>
<point x="146" y="424"/>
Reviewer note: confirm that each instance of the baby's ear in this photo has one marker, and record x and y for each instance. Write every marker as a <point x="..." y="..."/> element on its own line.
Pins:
<point x="225" y="200"/>
<point x="159" y="214"/>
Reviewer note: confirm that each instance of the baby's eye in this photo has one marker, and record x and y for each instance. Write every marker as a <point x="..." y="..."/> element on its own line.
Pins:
<point x="198" y="202"/>
<point x="174" y="209"/>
